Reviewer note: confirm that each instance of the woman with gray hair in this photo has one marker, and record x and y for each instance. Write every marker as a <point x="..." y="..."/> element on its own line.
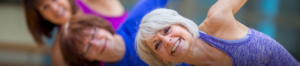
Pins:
<point x="166" y="38"/>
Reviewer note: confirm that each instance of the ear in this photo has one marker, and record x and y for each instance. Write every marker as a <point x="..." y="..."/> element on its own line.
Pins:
<point x="164" y="61"/>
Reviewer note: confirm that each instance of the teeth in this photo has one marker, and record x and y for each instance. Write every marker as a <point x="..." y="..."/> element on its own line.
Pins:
<point x="174" y="48"/>
<point x="101" y="41"/>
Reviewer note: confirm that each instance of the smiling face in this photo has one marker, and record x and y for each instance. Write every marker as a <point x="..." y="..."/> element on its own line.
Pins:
<point x="56" y="11"/>
<point x="171" y="43"/>
<point x="100" y="45"/>
<point x="88" y="39"/>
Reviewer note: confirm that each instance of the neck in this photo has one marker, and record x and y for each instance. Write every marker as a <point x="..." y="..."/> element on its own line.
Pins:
<point x="204" y="54"/>
<point x="199" y="54"/>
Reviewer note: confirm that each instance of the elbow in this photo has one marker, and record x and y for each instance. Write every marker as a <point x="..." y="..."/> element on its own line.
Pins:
<point x="215" y="17"/>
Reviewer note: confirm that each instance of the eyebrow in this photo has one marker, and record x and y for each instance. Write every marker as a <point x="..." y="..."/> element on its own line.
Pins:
<point x="154" y="42"/>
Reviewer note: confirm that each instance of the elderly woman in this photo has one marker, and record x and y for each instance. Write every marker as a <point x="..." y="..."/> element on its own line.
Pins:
<point x="166" y="38"/>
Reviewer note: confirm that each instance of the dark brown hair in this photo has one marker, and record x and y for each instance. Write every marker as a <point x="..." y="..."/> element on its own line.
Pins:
<point x="38" y="26"/>
<point x="73" y="37"/>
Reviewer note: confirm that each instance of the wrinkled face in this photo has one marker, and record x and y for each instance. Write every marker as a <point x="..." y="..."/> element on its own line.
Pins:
<point x="100" y="44"/>
<point x="171" y="43"/>
<point x="56" y="11"/>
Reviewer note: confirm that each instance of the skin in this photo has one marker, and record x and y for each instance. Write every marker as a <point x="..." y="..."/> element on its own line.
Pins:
<point x="166" y="39"/>
<point x="56" y="11"/>
<point x="103" y="46"/>
<point x="220" y="23"/>
<point x="110" y="8"/>
<point x="59" y="12"/>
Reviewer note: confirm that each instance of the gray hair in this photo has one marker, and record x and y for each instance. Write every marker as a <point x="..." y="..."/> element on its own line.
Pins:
<point x="154" y="21"/>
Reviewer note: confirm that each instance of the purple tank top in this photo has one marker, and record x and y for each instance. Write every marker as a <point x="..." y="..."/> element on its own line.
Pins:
<point x="114" y="21"/>
<point x="257" y="49"/>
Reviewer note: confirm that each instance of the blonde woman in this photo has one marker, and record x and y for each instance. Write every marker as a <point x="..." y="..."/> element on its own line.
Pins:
<point x="166" y="38"/>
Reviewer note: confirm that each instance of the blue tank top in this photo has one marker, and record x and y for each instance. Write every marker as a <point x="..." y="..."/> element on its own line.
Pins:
<point x="257" y="49"/>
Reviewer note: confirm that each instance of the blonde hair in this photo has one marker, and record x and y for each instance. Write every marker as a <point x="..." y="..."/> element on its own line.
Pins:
<point x="154" y="21"/>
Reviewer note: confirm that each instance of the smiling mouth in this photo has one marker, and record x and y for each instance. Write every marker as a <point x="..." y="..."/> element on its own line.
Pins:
<point x="60" y="12"/>
<point x="104" y="46"/>
<point x="176" y="45"/>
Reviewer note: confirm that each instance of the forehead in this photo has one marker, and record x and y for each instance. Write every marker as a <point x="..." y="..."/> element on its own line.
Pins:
<point x="39" y="3"/>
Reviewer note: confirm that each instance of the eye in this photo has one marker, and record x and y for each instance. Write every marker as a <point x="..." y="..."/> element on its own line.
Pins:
<point x="45" y="7"/>
<point x="157" y="45"/>
<point x="167" y="30"/>
<point x="94" y="33"/>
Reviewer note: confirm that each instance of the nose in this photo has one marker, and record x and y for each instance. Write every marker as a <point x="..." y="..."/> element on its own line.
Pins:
<point x="166" y="40"/>
<point x="54" y="7"/>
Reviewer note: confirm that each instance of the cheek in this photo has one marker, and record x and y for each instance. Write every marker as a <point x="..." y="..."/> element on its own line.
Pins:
<point x="47" y="15"/>
<point x="187" y="35"/>
<point x="90" y="56"/>
<point x="185" y="47"/>
<point x="110" y="46"/>
<point x="50" y="17"/>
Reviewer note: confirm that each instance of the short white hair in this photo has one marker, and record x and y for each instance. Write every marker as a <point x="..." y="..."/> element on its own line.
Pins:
<point x="154" y="21"/>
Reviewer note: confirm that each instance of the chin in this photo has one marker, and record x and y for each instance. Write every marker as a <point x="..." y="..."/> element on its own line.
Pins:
<point x="185" y="49"/>
<point x="182" y="51"/>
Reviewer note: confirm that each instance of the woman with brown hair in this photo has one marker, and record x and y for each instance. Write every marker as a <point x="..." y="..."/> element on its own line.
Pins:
<point x="43" y="15"/>
<point x="88" y="40"/>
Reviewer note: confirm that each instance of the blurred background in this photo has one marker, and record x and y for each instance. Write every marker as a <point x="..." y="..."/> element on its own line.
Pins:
<point x="279" y="19"/>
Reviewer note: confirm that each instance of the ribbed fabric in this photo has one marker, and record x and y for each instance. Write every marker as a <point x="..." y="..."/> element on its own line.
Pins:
<point x="256" y="50"/>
